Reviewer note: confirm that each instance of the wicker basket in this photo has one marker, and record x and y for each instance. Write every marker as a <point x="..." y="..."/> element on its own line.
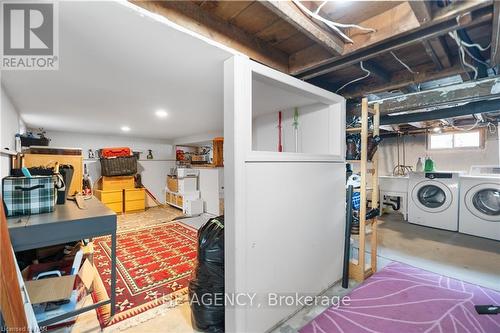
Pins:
<point x="172" y="184"/>
<point x="119" y="166"/>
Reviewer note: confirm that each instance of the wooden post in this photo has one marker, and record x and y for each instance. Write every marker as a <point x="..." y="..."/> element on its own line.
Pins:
<point x="375" y="191"/>
<point x="363" y="168"/>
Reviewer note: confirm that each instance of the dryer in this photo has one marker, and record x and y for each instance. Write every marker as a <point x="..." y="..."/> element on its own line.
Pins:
<point x="480" y="206"/>
<point x="434" y="199"/>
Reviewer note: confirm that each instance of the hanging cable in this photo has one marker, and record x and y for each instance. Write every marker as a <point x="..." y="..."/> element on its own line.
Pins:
<point x="476" y="45"/>
<point x="491" y="128"/>
<point x="461" y="49"/>
<point x="319" y="7"/>
<point x="358" y="79"/>
<point x="466" y="129"/>
<point x="333" y="25"/>
<point x="476" y="59"/>
<point x="402" y="63"/>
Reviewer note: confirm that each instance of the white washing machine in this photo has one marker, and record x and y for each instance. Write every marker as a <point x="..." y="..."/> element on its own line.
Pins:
<point x="480" y="205"/>
<point x="434" y="199"/>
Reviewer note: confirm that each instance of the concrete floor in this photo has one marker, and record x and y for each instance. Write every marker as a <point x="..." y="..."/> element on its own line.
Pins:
<point x="472" y="259"/>
<point x="468" y="258"/>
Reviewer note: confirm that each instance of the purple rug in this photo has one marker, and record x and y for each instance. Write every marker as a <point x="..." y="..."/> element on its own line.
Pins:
<point x="402" y="298"/>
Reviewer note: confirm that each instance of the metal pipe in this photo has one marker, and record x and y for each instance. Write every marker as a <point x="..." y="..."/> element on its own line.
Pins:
<point x="347" y="240"/>
<point x="462" y="110"/>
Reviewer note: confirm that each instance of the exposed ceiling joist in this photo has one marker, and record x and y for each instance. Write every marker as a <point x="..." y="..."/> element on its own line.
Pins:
<point x="435" y="48"/>
<point x="377" y="71"/>
<point x="440" y="49"/>
<point x="462" y="110"/>
<point x="289" y="12"/>
<point x="194" y="18"/>
<point x="432" y="54"/>
<point x="434" y="29"/>
<point x="395" y="21"/>
<point x="422" y="11"/>
<point x="495" y="35"/>
<point x="443" y="96"/>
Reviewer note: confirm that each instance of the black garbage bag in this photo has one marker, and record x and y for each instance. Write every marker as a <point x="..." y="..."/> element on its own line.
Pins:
<point x="206" y="288"/>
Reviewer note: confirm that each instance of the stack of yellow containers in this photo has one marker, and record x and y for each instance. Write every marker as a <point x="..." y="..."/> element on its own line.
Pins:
<point x="120" y="195"/>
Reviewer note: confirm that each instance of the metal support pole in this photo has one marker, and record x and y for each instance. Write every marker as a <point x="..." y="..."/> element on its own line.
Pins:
<point x="347" y="240"/>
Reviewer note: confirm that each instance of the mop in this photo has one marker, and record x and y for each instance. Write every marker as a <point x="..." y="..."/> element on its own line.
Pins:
<point x="280" y="146"/>
<point x="295" y="125"/>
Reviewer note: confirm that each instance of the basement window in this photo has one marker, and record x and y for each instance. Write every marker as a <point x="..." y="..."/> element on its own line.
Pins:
<point x="456" y="140"/>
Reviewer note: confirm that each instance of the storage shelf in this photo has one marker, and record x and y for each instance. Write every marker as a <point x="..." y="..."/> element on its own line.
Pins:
<point x="366" y="189"/>
<point x="356" y="161"/>
<point x="356" y="129"/>
<point x="359" y="269"/>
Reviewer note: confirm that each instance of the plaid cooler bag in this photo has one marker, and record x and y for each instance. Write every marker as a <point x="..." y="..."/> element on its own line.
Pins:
<point x="28" y="196"/>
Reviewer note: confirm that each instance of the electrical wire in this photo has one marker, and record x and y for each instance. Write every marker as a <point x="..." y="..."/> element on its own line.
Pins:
<point x="476" y="59"/>
<point x="466" y="129"/>
<point x="333" y="25"/>
<point x="492" y="128"/>
<point x="319" y="7"/>
<point x="462" y="51"/>
<point x="475" y="45"/>
<point x="402" y="63"/>
<point x="358" y="79"/>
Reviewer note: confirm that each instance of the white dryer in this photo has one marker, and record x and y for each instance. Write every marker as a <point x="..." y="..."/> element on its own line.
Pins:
<point x="434" y="199"/>
<point x="480" y="206"/>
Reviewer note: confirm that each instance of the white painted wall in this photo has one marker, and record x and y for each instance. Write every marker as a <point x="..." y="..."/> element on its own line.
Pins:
<point x="294" y="233"/>
<point x="154" y="172"/>
<point x="10" y="124"/>
<point x="313" y="130"/>
<point x="284" y="212"/>
<point x="452" y="160"/>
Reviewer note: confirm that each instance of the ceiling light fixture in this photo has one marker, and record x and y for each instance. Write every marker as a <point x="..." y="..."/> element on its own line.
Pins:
<point x="436" y="129"/>
<point x="125" y="129"/>
<point x="161" y="114"/>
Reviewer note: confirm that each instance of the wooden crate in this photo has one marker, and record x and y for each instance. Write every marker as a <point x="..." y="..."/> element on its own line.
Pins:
<point x="112" y="199"/>
<point x="135" y="200"/>
<point x="117" y="183"/>
<point x="47" y="160"/>
<point x="218" y="152"/>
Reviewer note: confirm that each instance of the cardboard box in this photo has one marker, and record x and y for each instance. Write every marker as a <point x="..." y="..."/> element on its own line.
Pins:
<point x="55" y="289"/>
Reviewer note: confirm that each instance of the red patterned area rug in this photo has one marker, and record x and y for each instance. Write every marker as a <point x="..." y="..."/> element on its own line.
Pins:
<point x="154" y="265"/>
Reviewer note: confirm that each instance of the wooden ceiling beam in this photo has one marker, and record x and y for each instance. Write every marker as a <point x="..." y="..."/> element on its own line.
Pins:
<point x="194" y="18"/>
<point x="495" y="35"/>
<point x="377" y="71"/>
<point x="422" y="11"/>
<point x="478" y="12"/>
<point x="436" y="48"/>
<point x="289" y="12"/>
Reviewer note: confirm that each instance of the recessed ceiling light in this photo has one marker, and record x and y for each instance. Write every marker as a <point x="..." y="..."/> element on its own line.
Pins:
<point x="125" y="128"/>
<point x="161" y="114"/>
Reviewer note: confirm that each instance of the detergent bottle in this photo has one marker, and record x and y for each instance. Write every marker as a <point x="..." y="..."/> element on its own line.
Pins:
<point x="429" y="164"/>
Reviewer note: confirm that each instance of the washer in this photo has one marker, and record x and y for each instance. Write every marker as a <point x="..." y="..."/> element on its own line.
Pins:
<point x="480" y="206"/>
<point x="434" y="199"/>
